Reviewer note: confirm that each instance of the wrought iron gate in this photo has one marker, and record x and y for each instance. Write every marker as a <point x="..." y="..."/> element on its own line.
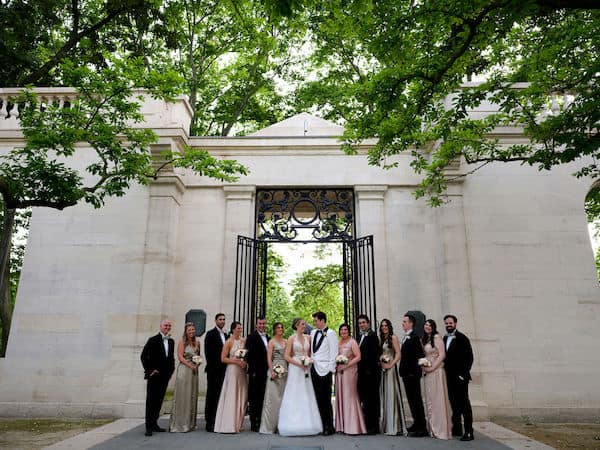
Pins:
<point x="304" y="215"/>
<point x="250" y="298"/>
<point x="359" y="281"/>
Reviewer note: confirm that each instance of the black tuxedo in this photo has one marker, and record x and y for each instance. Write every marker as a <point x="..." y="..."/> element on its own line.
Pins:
<point x="153" y="359"/>
<point x="215" y="373"/>
<point x="257" y="376"/>
<point x="369" y="378"/>
<point x="458" y="362"/>
<point x="410" y="371"/>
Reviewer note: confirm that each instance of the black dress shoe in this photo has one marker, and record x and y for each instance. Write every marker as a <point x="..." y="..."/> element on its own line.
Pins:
<point x="158" y="429"/>
<point x="328" y="432"/>
<point x="148" y="433"/>
<point x="467" y="437"/>
<point x="457" y="433"/>
<point x="371" y="432"/>
<point x="418" y="433"/>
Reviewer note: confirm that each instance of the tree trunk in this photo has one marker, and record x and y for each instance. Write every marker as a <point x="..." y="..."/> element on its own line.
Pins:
<point x="5" y="295"/>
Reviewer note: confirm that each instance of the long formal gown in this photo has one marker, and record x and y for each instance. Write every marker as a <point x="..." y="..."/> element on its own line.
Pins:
<point x="437" y="406"/>
<point x="392" y="411"/>
<point x="273" y="393"/>
<point x="299" y="414"/>
<point x="185" y="398"/>
<point x="348" y="412"/>
<point x="234" y="396"/>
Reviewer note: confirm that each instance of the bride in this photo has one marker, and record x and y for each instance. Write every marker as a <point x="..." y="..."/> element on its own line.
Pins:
<point x="299" y="414"/>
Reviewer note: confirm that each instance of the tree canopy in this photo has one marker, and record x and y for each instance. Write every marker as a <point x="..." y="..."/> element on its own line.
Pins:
<point x="388" y="68"/>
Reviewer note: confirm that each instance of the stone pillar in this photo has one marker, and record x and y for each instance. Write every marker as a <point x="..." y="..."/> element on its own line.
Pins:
<point x="370" y="219"/>
<point x="155" y="302"/>
<point x="456" y="296"/>
<point x="239" y="220"/>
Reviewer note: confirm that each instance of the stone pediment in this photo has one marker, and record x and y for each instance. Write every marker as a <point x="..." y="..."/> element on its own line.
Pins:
<point x="302" y="124"/>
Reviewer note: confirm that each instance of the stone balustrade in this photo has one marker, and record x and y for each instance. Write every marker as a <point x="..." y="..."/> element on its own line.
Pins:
<point x="9" y="110"/>
<point x="158" y="114"/>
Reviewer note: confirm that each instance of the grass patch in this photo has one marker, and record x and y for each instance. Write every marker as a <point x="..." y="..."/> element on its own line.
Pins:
<point x="40" y="426"/>
<point x="29" y="434"/>
<point x="561" y="436"/>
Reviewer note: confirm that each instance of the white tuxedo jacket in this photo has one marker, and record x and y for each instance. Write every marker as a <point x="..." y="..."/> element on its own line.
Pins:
<point x="324" y="357"/>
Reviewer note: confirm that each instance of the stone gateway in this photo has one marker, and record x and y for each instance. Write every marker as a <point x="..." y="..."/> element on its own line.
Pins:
<point x="509" y="255"/>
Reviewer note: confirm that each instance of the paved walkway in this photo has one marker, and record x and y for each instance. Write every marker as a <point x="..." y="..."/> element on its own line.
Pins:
<point x="129" y="434"/>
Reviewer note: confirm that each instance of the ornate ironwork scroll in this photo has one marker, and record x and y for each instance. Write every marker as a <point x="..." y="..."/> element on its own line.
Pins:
<point x="304" y="215"/>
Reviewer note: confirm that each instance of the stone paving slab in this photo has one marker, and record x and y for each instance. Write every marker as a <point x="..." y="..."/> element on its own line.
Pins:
<point x="508" y="437"/>
<point x="129" y="434"/>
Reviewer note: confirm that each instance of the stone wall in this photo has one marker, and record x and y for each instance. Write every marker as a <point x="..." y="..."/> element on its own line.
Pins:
<point x="509" y="255"/>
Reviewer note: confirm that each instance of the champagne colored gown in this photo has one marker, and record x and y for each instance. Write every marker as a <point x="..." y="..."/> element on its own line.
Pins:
<point x="437" y="406"/>
<point x="185" y="398"/>
<point x="348" y="412"/>
<point x="392" y="411"/>
<point x="234" y="396"/>
<point x="273" y="392"/>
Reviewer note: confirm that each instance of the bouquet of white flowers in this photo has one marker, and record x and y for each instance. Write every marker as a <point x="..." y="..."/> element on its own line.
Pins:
<point x="386" y="359"/>
<point x="197" y="359"/>
<point x="341" y="359"/>
<point x="306" y="361"/>
<point x="279" y="371"/>
<point x="241" y="353"/>
<point x="424" y="362"/>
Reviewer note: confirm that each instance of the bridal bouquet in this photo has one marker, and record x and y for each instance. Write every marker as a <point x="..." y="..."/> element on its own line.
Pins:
<point x="424" y="362"/>
<point x="197" y="359"/>
<point x="279" y="371"/>
<point x="306" y="362"/>
<point x="241" y="353"/>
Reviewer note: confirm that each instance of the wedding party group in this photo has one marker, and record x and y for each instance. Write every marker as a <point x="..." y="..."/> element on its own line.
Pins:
<point x="285" y="385"/>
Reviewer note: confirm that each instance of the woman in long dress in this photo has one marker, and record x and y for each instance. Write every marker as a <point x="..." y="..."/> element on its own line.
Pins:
<point x="276" y="383"/>
<point x="392" y="411"/>
<point x="349" y="417"/>
<point x="185" y="398"/>
<point x="436" y="390"/>
<point x="234" y="394"/>
<point x="299" y="414"/>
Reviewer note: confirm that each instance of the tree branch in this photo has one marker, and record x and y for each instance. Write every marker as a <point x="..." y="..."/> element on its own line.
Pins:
<point x="73" y="41"/>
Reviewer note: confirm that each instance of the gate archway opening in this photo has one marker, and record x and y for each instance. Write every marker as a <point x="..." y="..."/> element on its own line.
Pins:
<point x="304" y="215"/>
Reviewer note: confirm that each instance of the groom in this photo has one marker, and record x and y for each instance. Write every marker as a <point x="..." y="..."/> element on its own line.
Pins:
<point x="324" y="350"/>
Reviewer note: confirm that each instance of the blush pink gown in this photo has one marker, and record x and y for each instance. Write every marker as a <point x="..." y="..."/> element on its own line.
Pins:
<point x="348" y="418"/>
<point x="234" y="396"/>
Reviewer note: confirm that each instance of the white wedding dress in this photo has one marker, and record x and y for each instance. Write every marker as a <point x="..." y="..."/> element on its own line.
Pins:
<point x="299" y="413"/>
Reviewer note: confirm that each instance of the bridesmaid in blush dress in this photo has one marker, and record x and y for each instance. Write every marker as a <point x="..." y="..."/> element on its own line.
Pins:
<point x="348" y="418"/>
<point x="276" y="384"/>
<point x="234" y="394"/>
<point x="436" y="391"/>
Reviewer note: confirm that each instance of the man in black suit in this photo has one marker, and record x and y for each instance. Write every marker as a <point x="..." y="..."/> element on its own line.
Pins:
<point x="159" y="363"/>
<point x="410" y="371"/>
<point x="369" y="374"/>
<point x="215" y="369"/>
<point x="256" y="344"/>
<point x="458" y="362"/>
